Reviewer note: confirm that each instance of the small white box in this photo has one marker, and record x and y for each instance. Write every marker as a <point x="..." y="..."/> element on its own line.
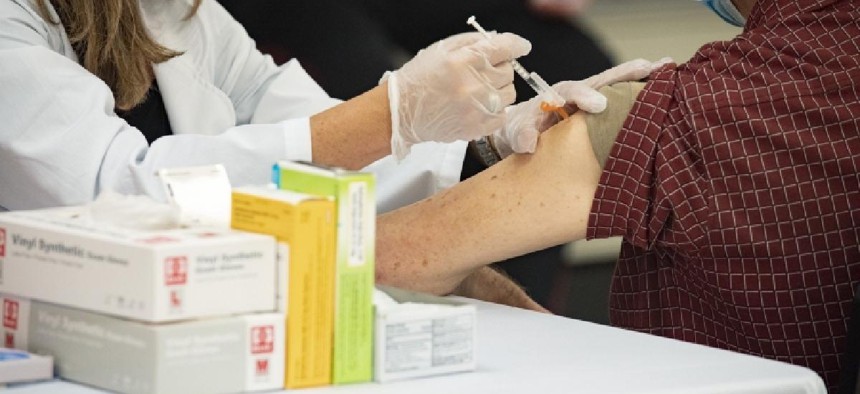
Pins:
<point x="19" y="366"/>
<point x="56" y="255"/>
<point x="218" y="355"/>
<point x="421" y="335"/>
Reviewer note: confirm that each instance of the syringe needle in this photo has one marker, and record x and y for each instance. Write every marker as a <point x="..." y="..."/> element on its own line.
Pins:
<point x="551" y="98"/>
<point x="518" y="68"/>
<point x="474" y="23"/>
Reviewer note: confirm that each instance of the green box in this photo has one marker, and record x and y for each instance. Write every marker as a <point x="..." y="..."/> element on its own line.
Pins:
<point x="354" y="193"/>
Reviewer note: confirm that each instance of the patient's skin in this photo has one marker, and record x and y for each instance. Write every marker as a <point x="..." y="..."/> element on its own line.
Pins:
<point x="524" y="203"/>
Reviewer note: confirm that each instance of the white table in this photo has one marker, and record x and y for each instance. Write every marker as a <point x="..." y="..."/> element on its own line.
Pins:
<point x="526" y="352"/>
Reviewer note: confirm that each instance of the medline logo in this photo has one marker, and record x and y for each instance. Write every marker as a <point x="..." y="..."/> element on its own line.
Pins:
<point x="175" y="270"/>
<point x="262" y="368"/>
<point x="10" y="314"/>
<point x="2" y="242"/>
<point x="262" y="339"/>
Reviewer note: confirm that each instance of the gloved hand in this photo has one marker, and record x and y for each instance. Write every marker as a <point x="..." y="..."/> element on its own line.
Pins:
<point x="525" y="121"/>
<point x="455" y="89"/>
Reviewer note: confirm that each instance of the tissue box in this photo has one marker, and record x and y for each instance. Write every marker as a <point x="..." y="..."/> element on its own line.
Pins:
<point x="57" y="255"/>
<point x="420" y="335"/>
<point x="219" y="355"/>
<point x="355" y="252"/>
<point x="19" y="366"/>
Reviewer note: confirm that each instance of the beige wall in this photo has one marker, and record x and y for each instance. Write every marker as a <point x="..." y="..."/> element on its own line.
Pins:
<point x="653" y="29"/>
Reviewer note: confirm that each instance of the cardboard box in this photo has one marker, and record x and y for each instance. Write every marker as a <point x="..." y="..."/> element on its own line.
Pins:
<point x="219" y="355"/>
<point x="354" y="274"/>
<point x="306" y="226"/>
<point x="420" y="335"/>
<point x="17" y="366"/>
<point x="57" y="256"/>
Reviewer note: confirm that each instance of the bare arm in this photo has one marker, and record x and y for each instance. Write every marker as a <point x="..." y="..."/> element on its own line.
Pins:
<point x="522" y="204"/>
<point x="364" y="121"/>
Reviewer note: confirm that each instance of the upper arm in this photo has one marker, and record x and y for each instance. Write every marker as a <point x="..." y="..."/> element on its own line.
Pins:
<point x="21" y="26"/>
<point x="522" y="204"/>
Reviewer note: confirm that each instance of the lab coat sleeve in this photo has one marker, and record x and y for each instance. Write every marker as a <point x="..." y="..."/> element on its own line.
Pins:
<point x="62" y="144"/>
<point x="429" y="168"/>
<point x="262" y="95"/>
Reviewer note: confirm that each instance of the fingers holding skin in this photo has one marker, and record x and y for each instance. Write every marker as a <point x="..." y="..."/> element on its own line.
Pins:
<point x="584" y="94"/>
<point x="581" y="95"/>
<point x="632" y="70"/>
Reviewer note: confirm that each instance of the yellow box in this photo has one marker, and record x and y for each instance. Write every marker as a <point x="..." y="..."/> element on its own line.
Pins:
<point x="354" y="276"/>
<point x="306" y="224"/>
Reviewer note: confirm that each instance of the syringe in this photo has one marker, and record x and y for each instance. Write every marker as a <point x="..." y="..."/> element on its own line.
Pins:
<point x="552" y="101"/>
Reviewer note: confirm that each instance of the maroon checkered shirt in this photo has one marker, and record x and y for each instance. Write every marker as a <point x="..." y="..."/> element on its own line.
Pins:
<point x="735" y="185"/>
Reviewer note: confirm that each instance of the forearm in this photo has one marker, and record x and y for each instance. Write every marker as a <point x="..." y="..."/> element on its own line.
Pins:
<point x="354" y="133"/>
<point x="522" y="204"/>
<point x="490" y="285"/>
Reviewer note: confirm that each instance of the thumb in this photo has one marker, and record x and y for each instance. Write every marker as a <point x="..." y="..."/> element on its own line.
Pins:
<point x="525" y="141"/>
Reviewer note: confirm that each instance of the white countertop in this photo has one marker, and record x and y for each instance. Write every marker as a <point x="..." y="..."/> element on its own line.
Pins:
<point x="527" y="352"/>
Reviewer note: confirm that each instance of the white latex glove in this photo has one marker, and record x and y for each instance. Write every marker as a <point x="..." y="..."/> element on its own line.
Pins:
<point x="526" y="120"/>
<point x="455" y="89"/>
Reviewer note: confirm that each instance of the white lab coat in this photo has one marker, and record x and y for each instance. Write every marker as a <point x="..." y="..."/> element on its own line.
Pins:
<point x="61" y="142"/>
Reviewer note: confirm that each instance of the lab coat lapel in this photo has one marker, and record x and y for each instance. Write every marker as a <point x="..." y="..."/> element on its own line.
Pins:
<point x="193" y="104"/>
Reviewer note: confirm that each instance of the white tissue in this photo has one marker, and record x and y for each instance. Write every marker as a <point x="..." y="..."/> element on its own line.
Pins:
<point x="132" y="212"/>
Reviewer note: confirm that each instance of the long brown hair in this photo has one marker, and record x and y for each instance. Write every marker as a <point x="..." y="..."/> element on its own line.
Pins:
<point x="112" y="42"/>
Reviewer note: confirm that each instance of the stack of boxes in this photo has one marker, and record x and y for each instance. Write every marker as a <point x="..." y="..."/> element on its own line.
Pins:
<point x="142" y="311"/>
<point x="282" y="300"/>
<point x="327" y="218"/>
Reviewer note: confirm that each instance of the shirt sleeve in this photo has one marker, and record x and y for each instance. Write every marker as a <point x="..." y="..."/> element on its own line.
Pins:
<point x="653" y="188"/>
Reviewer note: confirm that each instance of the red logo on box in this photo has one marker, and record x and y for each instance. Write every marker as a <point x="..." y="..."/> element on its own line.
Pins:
<point x="262" y="339"/>
<point x="10" y="340"/>
<point x="10" y="314"/>
<point x="158" y="239"/>
<point x="175" y="299"/>
<point x="175" y="270"/>
<point x="262" y="367"/>
<point x="2" y="242"/>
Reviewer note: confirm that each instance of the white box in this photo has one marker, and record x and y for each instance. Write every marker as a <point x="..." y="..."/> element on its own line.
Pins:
<point x="420" y="335"/>
<point x="19" y="366"/>
<point x="219" y="355"/>
<point x="57" y="256"/>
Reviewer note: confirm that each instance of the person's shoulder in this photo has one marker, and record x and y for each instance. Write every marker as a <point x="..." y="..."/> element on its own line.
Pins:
<point x="25" y="10"/>
<point x="22" y="23"/>
<point x="165" y="13"/>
